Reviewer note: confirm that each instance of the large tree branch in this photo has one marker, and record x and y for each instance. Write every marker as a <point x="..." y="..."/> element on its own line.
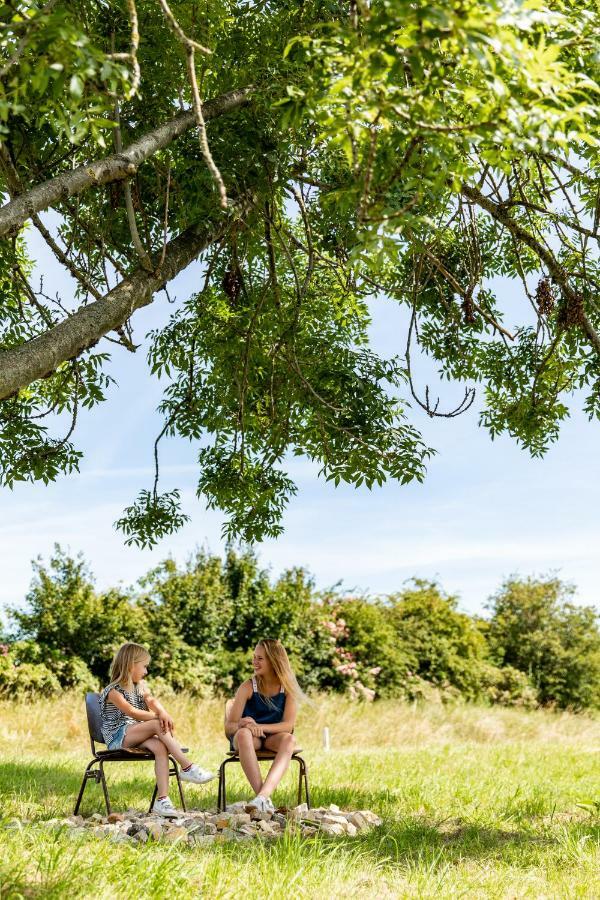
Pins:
<point x="19" y="366"/>
<point x="116" y="167"/>
<point x="501" y="214"/>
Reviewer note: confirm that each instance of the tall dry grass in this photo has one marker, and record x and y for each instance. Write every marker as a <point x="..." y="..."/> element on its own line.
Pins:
<point x="47" y="725"/>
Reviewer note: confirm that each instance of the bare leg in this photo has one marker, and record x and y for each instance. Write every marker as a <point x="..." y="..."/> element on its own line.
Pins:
<point x="137" y="734"/>
<point x="284" y="745"/>
<point x="161" y="764"/>
<point x="247" y="745"/>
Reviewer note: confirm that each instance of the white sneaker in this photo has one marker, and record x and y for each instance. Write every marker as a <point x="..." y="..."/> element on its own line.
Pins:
<point x="165" y="808"/>
<point x="261" y="804"/>
<point x="197" y="775"/>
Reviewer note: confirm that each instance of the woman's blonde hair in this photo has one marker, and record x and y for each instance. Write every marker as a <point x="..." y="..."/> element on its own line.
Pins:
<point x="124" y="660"/>
<point x="277" y="656"/>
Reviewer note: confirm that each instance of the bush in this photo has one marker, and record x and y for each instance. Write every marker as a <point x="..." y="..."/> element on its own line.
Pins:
<point x="70" y="671"/>
<point x="444" y="646"/>
<point x="185" y="668"/>
<point x="25" y="679"/>
<point x="367" y="653"/>
<point x="66" y="616"/>
<point x="537" y="630"/>
<point x="508" y="687"/>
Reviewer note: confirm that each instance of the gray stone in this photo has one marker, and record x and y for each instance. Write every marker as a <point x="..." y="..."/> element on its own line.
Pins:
<point x="240" y="819"/>
<point x="334" y="820"/>
<point x="176" y="833"/>
<point x="120" y="838"/>
<point x="154" y="830"/>
<point x="202" y="840"/>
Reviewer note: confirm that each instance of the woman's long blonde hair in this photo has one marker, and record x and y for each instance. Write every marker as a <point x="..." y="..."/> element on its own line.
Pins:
<point x="123" y="662"/>
<point x="277" y="656"/>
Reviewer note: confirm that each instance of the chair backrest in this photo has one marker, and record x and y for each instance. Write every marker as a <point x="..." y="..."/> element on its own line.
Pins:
<point x="92" y="708"/>
<point x="228" y="706"/>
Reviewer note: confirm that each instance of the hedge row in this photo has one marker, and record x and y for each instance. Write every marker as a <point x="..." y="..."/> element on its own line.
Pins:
<point x="201" y="622"/>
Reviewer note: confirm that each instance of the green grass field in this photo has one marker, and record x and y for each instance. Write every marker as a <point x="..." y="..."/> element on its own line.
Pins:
<point x="476" y="803"/>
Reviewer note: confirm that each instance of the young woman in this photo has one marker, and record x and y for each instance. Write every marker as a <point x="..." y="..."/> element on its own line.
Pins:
<point x="263" y="715"/>
<point x="132" y="717"/>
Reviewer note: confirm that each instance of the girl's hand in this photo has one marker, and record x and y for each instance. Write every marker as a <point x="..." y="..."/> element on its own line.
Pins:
<point x="166" y="723"/>
<point x="247" y="721"/>
<point x="256" y="730"/>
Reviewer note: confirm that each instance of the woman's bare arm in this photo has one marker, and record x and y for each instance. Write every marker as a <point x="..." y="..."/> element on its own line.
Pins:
<point x="289" y="718"/>
<point x="242" y="694"/>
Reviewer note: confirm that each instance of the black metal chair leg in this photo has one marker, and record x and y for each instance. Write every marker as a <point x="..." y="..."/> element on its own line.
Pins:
<point x="299" y="761"/>
<point x="175" y="771"/>
<point x="154" y="793"/>
<point x="104" y="787"/>
<point x="86" y="778"/>
<point x="306" y="788"/>
<point x="221" y="803"/>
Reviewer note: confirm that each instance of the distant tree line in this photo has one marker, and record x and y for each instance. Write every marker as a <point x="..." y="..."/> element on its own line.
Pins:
<point x="201" y="622"/>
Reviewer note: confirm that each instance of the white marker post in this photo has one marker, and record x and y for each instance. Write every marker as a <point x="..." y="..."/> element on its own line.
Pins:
<point x="326" y="744"/>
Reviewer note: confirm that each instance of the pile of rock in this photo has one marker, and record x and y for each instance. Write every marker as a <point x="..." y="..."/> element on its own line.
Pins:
<point x="237" y="823"/>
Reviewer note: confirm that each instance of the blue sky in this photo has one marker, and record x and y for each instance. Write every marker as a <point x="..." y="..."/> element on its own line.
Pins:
<point x="485" y="511"/>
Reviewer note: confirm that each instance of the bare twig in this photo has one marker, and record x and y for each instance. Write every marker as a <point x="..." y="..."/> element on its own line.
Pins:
<point x="131" y="57"/>
<point x="190" y="47"/>
<point x="133" y="229"/>
<point x="166" y="216"/>
<point x="176" y="27"/>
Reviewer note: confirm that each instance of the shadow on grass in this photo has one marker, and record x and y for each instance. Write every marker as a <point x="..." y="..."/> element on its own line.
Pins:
<point x="39" y="791"/>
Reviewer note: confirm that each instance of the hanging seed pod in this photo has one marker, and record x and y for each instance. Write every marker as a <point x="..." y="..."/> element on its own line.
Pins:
<point x="468" y="311"/>
<point x="232" y="284"/>
<point x="544" y="297"/>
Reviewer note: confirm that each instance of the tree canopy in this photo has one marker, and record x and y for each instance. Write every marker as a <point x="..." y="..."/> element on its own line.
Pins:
<point x="305" y="156"/>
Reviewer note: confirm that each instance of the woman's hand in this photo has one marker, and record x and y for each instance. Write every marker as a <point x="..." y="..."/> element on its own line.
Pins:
<point x="166" y="723"/>
<point x="247" y="721"/>
<point x="256" y="730"/>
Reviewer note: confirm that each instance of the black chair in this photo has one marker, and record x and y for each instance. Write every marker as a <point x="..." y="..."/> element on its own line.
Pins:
<point x="101" y="757"/>
<point x="233" y="757"/>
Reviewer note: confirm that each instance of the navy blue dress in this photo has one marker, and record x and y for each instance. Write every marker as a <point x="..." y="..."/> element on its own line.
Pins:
<point x="263" y="712"/>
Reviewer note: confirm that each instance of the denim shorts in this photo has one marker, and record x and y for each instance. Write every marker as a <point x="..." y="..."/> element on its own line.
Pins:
<point x="118" y="737"/>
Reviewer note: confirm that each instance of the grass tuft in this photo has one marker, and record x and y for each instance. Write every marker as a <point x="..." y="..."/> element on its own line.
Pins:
<point x="476" y="803"/>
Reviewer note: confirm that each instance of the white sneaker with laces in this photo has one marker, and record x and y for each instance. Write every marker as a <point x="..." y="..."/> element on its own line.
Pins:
<point x="197" y="775"/>
<point x="269" y="805"/>
<point x="260" y="804"/>
<point x="165" y="808"/>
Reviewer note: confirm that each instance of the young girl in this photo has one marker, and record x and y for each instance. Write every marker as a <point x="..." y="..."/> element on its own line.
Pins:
<point x="132" y="717"/>
<point x="263" y="715"/>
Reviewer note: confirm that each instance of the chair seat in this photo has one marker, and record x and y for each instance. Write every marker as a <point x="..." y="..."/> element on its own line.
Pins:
<point x="124" y="754"/>
<point x="263" y="754"/>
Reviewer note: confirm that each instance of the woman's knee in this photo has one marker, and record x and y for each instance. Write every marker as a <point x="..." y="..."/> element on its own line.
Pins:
<point x="288" y="742"/>
<point x="244" y="738"/>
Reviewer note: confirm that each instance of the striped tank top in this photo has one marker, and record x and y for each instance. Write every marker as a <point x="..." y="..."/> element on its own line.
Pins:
<point x="112" y="717"/>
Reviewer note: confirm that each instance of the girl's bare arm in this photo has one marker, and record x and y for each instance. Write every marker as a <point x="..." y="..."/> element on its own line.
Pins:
<point x="141" y="715"/>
